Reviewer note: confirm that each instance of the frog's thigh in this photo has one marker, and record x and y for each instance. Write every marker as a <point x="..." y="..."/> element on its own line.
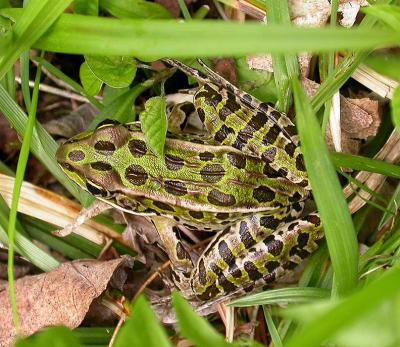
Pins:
<point x="258" y="262"/>
<point x="179" y="257"/>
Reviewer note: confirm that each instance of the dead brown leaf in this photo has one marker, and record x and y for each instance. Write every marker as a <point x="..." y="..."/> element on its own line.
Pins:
<point x="359" y="119"/>
<point x="60" y="297"/>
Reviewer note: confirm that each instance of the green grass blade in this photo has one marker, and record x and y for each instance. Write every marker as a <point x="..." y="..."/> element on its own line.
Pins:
<point x="332" y="207"/>
<point x="35" y="19"/>
<point x="360" y="163"/>
<point x="19" y="177"/>
<point x="273" y="331"/>
<point x="395" y="106"/>
<point x="392" y="207"/>
<point x="194" y="327"/>
<point x="24" y="67"/>
<point x="142" y="328"/>
<point x="281" y="295"/>
<point x="152" y="39"/>
<point x="346" y="312"/>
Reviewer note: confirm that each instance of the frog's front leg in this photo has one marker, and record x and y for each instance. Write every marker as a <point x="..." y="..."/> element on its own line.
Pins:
<point x="179" y="257"/>
<point x="236" y="260"/>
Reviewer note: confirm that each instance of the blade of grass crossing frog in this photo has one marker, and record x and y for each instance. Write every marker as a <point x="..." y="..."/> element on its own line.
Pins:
<point x="335" y="216"/>
<point x="36" y="18"/>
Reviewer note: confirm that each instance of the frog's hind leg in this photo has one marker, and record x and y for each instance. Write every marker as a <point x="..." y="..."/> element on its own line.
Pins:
<point x="252" y="103"/>
<point x="236" y="260"/>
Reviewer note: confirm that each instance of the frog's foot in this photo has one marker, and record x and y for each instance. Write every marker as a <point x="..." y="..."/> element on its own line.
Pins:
<point x="237" y="261"/>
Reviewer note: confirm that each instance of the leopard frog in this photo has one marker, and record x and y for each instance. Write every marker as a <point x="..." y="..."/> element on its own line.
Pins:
<point x="244" y="180"/>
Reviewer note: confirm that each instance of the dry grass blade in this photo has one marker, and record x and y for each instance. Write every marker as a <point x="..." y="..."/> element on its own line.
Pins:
<point x="390" y="153"/>
<point x="55" y="209"/>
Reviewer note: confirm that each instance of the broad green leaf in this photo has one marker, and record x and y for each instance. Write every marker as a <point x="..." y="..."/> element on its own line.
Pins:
<point x="168" y="38"/>
<point x="135" y="9"/>
<point x="195" y="328"/>
<point x="395" y="106"/>
<point x="142" y="328"/>
<point x="86" y="7"/>
<point x="283" y="295"/>
<point x="325" y="321"/>
<point x="154" y="124"/>
<point x="332" y="207"/>
<point x="56" y="337"/>
<point x="115" y="71"/>
<point x="89" y="80"/>
<point x="35" y="20"/>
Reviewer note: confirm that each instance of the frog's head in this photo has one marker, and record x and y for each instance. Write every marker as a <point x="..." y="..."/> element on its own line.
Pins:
<point x="89" y="158"/>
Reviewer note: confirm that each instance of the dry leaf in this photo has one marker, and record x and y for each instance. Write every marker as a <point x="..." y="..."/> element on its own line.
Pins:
<point x="359" y="119"/>
<point x="73" y="123"/>
<point x="60" y="297"/>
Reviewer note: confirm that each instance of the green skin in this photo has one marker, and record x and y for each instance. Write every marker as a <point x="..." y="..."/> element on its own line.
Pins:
<point x="245" y="181"/>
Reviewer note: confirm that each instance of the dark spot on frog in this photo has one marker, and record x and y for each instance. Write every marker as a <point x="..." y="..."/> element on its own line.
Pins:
<point x="137" y="148"/>
<point x="175" y="187"/>
<point x="136" y="174"/>
<point x="237" y="160"/>
<point x="196" y="214"/>
<point x="100" y="166"/>
<point x="263" y="194"/>
<point x="173" y="162"/>
<point x="206" y="156"/>
<point x="219" y="198"/>
<point x="212" y="173"/>
<point x="76" y="155"/>
<point x="252" y="271"/>
<point x="223" y="133"/>
<point x="163" y="206"/>
<point x="104" y="147"/>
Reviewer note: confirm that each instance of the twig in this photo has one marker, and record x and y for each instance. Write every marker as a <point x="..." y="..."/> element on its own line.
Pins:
<point x="56" y="91"/>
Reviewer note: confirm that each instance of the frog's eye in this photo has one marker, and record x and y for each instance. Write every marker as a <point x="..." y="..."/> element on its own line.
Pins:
<point x="108" y="138"/>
